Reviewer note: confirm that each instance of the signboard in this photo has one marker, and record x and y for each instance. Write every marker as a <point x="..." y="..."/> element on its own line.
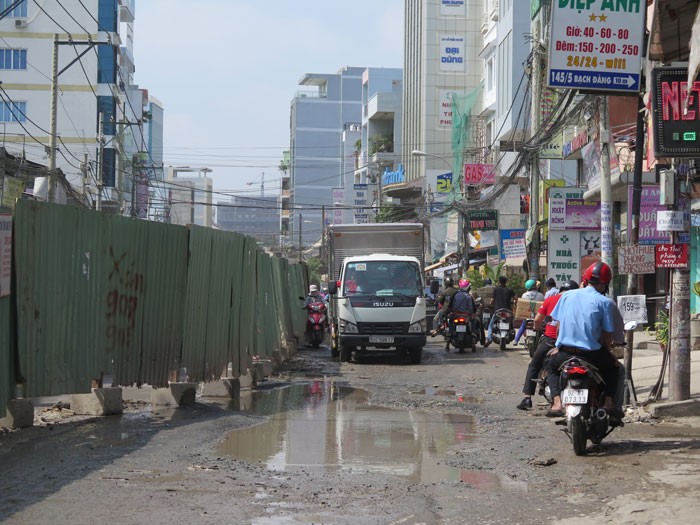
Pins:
<point x="649" y="205"/>
<point x="5" y="254"/>
<point x="581" y="215"/>
<point x="482" y="219"/>
<point x="670" y="221"/>
<point x="563" y="256"/>
<point x="637" y="259"/>
<point x="475" y="174"/>
<point x="12" y="189"/>
<point x="596" y="45"/>
<point x="672" y="255"/>
<point x="675" y="113"/>
<point x="444" y="113"/>
<point x="359" y="199"/>
<point x="557" y="205"/>
<point x="444" y="183"/>
<point x="453" y="8"/>
<point x="513" y="244"/>
<point x="633" y="308"/>
<point x="452" y="53"/>
<point x="338" y="202"/>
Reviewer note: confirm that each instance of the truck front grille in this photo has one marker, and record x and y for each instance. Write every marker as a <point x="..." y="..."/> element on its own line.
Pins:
<point x="382" y="328"/>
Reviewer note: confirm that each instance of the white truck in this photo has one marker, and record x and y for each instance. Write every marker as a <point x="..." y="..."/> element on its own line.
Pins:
<point x="378" y="294"/>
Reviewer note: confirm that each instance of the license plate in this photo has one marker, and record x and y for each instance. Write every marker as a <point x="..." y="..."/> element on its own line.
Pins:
<point x="381" y="338"/>
<point x="530" y="333"/>
<point x="503" y="326"/>
<point x="571" y="396"/>
<point x="461" y="328"/>
<point x="487" y="317"/>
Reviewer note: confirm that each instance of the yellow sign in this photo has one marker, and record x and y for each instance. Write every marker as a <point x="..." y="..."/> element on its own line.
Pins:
<point x="543" y="202"/>
<point x="12" y="189"/>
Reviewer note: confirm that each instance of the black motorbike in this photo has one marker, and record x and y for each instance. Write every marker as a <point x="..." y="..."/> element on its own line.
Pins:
<point x="532" y="336"/>
<point x="503" y="331"/>
<point x="458" y="331"/>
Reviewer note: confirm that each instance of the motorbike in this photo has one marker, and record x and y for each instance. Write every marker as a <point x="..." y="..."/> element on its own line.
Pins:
<point x="316" y="322"/>
<point x="480" y="321"/>
<point x="460" y="333"/>
<point x="503" y="331"/>
<point x="583" y="397"/>
<point x="532" y="336"/>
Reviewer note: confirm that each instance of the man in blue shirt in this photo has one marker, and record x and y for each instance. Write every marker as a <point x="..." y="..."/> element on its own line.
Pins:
<point x="585" y="329"/>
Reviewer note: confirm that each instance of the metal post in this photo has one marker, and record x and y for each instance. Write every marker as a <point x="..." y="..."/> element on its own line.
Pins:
<point x="633" y="280"/>
<point x="534" y="254"/>
<point x="606" y="205"/>
<point x="100" y="161"/>
<point x="323" y="233"/>
<point x="300" y="245"/>
<point x="52" y="125"/>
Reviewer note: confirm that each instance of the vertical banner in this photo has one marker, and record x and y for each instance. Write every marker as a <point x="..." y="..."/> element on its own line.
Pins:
<point x="452" y="53"/>
<point x="564" y="256"/>
<point x="338" y="204"/>
<point x="5" y="254"/>
<point x="557" y="205"/>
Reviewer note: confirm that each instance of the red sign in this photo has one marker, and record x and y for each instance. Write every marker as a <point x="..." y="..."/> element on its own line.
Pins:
<point x="672" y="255"/>
<point x="475" y="174"/>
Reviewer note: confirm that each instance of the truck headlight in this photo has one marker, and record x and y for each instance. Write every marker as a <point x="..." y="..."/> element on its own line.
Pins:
<point x="417" y="328"/>
<point x="347" y="327"/>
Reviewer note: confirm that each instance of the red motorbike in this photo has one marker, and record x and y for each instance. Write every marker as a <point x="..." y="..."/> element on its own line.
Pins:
<point x="316" y="323"/>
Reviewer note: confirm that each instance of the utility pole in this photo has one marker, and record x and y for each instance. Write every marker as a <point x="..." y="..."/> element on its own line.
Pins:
<point x="300" y="245"/>
<point x="634" y="280"/>
<point x="323" y="234"/>
<point x="52" y="132"/>
<point x="84" y="170"/>
<point x="606" y="228"/>
<point x="100" y="161"/>
<point x="534" y="255"/>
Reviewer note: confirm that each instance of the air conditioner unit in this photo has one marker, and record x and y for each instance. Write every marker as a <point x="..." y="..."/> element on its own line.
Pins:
<point x="20" y="23"/>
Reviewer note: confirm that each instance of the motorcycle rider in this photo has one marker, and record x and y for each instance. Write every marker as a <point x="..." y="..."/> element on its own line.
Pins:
<point x="503" y="298"/>
<point x="551" y="285"/>
<point x="546" y="343"/>
<point x="444" y="300"/>
<point x="313" y="297"/>
<point x="585" y="329"/>
<point x="531" y="294"/>
<point x="461" y="301"/>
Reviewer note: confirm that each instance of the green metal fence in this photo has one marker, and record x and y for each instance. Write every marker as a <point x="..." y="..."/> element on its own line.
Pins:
<point x="100" y="295"/>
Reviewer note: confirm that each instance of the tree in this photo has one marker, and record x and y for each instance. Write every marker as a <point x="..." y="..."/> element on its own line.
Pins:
<point x="396" y="213"/>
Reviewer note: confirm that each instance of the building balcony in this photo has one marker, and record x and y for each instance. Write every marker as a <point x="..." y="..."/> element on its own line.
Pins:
<point x="383" y="106"/>
<point x="127" y="10"/>
<point x="285" y="215"/>
<point x="285" y="195"/>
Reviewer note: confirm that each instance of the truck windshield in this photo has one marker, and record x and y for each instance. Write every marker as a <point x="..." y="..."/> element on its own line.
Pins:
<point x="382" y="278"/>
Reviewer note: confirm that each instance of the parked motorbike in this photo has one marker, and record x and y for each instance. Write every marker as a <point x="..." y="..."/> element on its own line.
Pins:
<point x="503" y="331"/>
<point x="460" y="331"/>
<point x="583" y="397"/>
<point x="485" y="313"/>
<point x="316" y="322"/>
<point x="478" y="324"/>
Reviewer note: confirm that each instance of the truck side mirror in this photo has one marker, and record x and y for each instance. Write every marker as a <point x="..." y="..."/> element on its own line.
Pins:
<point x="434" y="286"/>
<point x="332" y="287"/>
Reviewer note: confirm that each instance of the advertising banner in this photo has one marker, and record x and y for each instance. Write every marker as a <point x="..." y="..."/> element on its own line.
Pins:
<point x="5" y="254"/>
<point x="338" y="202"/>
<point x="444" y="113"/>
<point x="12" y="189"/>
<point x="475" y="174"/>
<point x="513" y="244"/>
<point x="672" y="255"/>
<point x="633" y="308"/>
<point x="564" y="256"/>
<point x="637" y="259"/>
<point x="453" y="8"/>
<point x="670" y="221"/>
<point x="452" y="53"/>
<point x="557" y="205"/>
<point x="581" y="215"/>
<point x="649" y="205"/>
<point x="359" y="199"/>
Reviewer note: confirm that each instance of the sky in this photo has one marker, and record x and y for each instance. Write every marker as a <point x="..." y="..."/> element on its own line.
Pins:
<point x="226" y="72"/>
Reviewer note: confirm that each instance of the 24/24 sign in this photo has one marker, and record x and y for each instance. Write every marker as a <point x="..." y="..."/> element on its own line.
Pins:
<point x="596" y="45"/>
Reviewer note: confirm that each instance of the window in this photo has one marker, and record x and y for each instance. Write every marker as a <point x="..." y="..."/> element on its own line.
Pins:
<point x="13" y="59"/>
<point x="19" y="11"/>
<point x="13" y="111"/>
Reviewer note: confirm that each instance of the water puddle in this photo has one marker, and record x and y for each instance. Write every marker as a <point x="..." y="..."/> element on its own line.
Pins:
<point x="322" y="426"/>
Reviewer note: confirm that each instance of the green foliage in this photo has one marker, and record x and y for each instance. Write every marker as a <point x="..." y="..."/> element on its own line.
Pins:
<point x="660" y="328"/>
<point x="394" y="213"/>
<point x="381" y="143"/>
<point x="315" y="266"/>
<point x="358" y="145"/>
<point x="696" y="288"/>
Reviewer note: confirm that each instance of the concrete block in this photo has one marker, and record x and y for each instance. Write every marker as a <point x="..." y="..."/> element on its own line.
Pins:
<point x="176" y="394"/>
<point x="277" y="358"/>
<point x="20" y="414"/>
<point x="689" y="407"/>
<point x="99" y="402"/>
<point x="263" y="369"/>
<point x="247" y="379"/>
<point x="225" y="387"/>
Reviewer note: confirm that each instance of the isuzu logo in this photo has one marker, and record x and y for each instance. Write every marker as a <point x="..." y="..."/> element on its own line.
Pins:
<point x="382" y="304"/>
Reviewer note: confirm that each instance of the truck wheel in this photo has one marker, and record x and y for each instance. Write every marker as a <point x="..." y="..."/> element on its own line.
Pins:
<point x="345" y="353"/>
<point x="415" y="355"/>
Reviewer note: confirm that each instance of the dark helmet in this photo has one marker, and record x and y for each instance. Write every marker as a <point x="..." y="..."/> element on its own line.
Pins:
<point x="488" y="281"/>
<point x="568" y="285"/>
<point x="550" y="283"/>
<point x="598" y="273"/>
<point x="448" y="282"/>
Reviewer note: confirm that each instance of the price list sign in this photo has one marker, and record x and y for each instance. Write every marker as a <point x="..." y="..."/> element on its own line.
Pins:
<point x="596" y="45"/>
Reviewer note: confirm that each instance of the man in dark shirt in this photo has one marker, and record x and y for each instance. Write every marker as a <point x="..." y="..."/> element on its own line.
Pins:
<point x="502" y="298"/>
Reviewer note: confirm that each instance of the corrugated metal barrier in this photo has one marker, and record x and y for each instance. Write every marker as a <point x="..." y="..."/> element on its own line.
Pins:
<point x="106" y="295"/>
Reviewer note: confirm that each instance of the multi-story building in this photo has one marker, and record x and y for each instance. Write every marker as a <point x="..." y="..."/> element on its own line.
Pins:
<point x="258" y="217"/>
<point x="319" y="117"/>
<point x="95" y="66"/>
<point x="190" y="196"/>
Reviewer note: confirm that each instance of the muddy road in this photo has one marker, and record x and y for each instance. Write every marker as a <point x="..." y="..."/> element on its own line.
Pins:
<point x="378" y="442"/>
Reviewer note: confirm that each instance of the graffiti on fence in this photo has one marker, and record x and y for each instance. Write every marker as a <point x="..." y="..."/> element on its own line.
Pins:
<point x="122" y="300"/>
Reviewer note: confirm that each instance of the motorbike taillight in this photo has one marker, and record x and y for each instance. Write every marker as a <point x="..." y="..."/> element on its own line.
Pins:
<point x="503" y="315"/>
<point x="460" y="320"/>
<point x="576" y="371"/>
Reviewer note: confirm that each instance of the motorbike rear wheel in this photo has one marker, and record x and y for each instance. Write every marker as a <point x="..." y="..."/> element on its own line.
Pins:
<point x="530" y="343"/>
<point x="578" y="435"/>
<point x="503" y="345"/>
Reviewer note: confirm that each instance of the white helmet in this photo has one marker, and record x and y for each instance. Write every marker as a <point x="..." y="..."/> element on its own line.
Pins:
<point x="313" y="288"/>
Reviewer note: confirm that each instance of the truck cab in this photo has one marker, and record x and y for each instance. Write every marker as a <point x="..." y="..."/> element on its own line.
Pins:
<point x="380" y="305"/>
